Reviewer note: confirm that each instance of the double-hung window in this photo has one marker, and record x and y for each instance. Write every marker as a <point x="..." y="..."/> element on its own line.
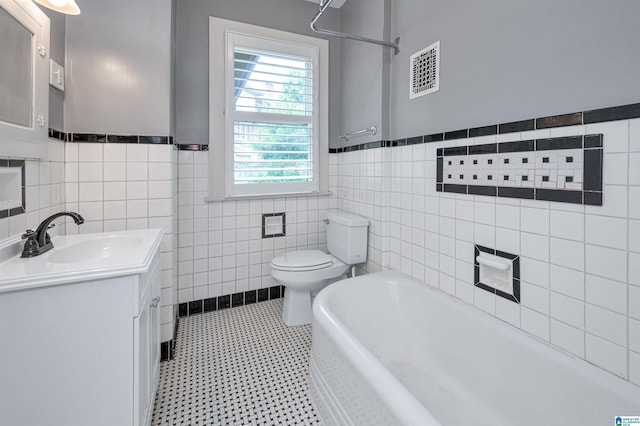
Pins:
<point x="268" y="111"/>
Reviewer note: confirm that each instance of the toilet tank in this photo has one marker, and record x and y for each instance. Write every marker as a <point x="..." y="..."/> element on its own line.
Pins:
<point x="347" y="237"/>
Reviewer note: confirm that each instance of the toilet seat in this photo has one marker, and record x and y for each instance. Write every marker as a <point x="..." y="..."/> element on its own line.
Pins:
<point x="302" y="260"/>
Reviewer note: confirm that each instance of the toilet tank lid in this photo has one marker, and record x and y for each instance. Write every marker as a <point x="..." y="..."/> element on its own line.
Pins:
<point x="347" y="219"/>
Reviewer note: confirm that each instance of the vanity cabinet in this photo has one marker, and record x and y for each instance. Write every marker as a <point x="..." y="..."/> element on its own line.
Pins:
<point x="82" y="353"/>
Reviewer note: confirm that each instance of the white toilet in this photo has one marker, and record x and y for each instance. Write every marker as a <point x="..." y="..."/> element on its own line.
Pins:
<point x="305" y="272"/>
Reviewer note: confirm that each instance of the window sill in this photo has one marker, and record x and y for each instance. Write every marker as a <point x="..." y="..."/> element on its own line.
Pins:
<point x="212" y="199"/>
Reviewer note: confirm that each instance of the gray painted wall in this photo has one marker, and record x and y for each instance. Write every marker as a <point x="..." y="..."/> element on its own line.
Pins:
<point x="192" y="53"/>
<point x="118" y="68"/>
<point x="57" y="53"/>
<point x="503" y="60"/>
<point x="364" y="72"/>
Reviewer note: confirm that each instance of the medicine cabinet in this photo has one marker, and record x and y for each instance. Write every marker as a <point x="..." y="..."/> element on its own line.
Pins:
<point x="24" y="88"/>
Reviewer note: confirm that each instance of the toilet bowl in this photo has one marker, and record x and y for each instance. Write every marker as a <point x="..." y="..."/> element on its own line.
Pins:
<point x="305" y="272"/>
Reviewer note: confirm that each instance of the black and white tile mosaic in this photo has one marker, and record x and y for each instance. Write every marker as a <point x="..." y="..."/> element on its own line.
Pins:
<point x="239" y="366"/>
<point x="565" y="169"/>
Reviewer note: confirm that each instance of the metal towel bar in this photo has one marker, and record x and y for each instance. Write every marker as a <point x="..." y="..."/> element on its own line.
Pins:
<point x="373" y="130"/>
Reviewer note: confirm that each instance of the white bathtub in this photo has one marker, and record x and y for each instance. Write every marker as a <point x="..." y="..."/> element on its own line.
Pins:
<point x="389" y="350"/>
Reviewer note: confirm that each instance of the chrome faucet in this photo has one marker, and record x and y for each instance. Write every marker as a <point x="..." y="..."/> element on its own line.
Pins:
<point x="38" y="241"/>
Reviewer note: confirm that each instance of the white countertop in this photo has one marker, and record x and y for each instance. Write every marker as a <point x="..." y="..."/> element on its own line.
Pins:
<point x="134" y="256"/>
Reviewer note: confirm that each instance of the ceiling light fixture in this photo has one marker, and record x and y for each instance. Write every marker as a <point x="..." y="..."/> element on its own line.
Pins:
<point x="68" y="7"/>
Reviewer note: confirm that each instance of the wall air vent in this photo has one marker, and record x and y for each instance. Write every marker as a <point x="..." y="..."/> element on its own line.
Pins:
<point x="424" y="71"/>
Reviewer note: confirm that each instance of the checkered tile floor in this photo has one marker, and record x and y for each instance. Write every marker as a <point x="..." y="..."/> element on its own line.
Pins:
<point x="238" y="366"/>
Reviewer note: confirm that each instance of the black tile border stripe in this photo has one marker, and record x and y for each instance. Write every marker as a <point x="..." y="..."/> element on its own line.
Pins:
<point x="615" y="113"/>
<point x="212" y="304"/>
<point x="563" y="120"/>
<point x="517" y="126"/>
<point x="483" y="131"/>
<point x="110" y="138"/>
<point x="622" y="112"/>
<point x="456" y="134"/>
<point x="192" y="147"/>
<point x="516" y="146"/>
<point x="592" y="151"/>
<point x="58" y="135"/>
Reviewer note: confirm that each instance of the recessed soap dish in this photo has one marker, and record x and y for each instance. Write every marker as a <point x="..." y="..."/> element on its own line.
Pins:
<point x="497" y="272"/>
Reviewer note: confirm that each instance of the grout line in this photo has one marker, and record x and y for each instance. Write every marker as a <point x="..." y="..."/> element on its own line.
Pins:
<point x="628" y="346"/>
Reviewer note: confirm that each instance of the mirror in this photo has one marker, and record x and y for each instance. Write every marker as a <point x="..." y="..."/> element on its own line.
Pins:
<point x="24" y="89"/>
<point x="16" y="83"/>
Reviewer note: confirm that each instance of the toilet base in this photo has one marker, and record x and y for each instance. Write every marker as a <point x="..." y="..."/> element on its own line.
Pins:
<point x="296" y="308"/>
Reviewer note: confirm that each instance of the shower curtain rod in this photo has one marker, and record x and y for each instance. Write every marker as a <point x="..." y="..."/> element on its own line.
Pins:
<point x="324" y="5"/>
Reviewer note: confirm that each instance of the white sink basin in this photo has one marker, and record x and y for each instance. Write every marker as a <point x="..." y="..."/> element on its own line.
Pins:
<point x="92" y="250"/>
<point x="78" y="258"/>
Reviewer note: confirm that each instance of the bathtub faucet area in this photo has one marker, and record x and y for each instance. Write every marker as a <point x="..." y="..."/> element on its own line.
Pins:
<point x="39" y="241"/>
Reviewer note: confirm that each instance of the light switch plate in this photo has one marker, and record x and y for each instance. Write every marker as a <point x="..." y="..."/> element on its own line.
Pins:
<point x="56" y="75"/>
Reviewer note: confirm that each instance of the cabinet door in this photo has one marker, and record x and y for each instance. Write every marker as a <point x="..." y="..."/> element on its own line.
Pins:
<point x="154" y="349"/>
<point x="147" y="356"/>
<point x="142" y="360"/>
<point x="24" y="83"/>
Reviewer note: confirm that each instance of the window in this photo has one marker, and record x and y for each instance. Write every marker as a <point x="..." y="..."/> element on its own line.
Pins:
<point x="268" y="112"/>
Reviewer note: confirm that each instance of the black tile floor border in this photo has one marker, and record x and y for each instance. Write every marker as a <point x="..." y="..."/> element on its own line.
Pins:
<point x="229" y="301"/>
<point x="615" y="113"/>
<point x="167" y="350"/>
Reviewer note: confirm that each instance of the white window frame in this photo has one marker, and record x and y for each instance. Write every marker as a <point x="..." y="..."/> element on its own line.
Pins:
<point x="222" y="34"/>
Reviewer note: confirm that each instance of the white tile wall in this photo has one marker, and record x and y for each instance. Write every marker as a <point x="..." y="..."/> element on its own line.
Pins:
<point x="44" y="194"/>
<point x="580" y="265"/>
<point x="220" y="246"/>
<point x="112" y="187"/>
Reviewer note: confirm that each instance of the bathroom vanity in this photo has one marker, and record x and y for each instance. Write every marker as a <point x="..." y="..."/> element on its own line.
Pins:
<point x="79" y="330"/>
